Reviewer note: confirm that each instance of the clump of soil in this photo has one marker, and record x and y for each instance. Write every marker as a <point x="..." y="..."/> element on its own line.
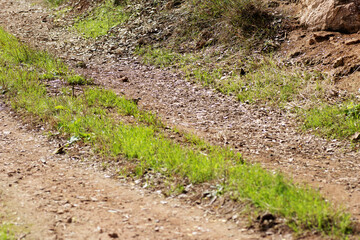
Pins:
<point x="333" y="52"/>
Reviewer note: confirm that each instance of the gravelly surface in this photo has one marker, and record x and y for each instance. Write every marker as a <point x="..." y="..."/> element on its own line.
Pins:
<point x="264" y="135"/>
<point x="51" y="196"/>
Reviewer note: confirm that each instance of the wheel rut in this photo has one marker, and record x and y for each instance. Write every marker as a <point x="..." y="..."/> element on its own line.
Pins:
<point x="263" y="134"/>
<point x="52" y="196"/>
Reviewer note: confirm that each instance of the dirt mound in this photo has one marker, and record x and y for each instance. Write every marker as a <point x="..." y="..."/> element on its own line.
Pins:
<point x="331" y="52"/>
<point x="333" y="15"/>
<point x="331" y="41"/>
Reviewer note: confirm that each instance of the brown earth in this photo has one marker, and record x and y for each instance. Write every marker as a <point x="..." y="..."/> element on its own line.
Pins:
<point x="335" y="53"/>
<point x="263" y="134"/>
<point x="52" y="196"/>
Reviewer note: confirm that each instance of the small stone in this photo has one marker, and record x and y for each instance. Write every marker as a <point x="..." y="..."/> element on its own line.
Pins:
<point x="352" y="41"/>
<point x="266" y="217"/>
<point x="119" y="51"/>
<point x="60" y="212"/>
<point x="242" y="72"/>
<point x="113" y="235"/>
<point x="296" y="53"/>
<point x="312" y="41"/>
<point x="124" y="79"/>
<point x="135" y="100"/>
<point x="59" y="150"/>
<point x="355" y="137"/>
<point x="322" y="37"/>
<point x="81" y="64"/>
<point x="339" y="62"/>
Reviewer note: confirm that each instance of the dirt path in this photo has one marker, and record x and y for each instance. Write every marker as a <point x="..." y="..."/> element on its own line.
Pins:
<point x="262" y="134"/>
<point x="52" y="197"/>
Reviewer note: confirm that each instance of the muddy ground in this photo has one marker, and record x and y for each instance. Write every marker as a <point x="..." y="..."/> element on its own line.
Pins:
<point x="262" y="134"/>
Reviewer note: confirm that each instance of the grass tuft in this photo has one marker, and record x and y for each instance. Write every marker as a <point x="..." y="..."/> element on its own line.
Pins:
<point x="247" y="16"/>
<point x="101" y="19"/>
<point x="56" y="2"/>
<point x="78" y="80"/>
<point x="6" y="232"/>
<point x="334" y="121"/>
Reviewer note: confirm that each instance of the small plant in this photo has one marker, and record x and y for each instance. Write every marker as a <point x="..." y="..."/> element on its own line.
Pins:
<point x="353" y="111"/>
<point x="104" y="166"/>
<point x="5" y="232"/>
<point x="77" y="80"/>
<point x="101" y="19"/>
<point x="333" y="121"/>
<point x="56" y="2"/>
<point x="247" y="15"/>
<point x="47" y="76"/>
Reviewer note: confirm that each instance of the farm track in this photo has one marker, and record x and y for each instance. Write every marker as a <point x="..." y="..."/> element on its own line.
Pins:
<point x="263" y="135"/>
<point x="51" y="196"/>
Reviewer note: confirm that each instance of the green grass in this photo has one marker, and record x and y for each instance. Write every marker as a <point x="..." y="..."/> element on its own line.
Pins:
<point x="97" y="118"/>
<point x="265" y="80"/>
<point x="56" y="2"/>
<point x="334" y="121"/>
<point x="5" y="232"/>
<point x="234" y="23"/>
<point x="78" y="80"/>
<point x="101" y="19"/>
<point x="243" y="16"/>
